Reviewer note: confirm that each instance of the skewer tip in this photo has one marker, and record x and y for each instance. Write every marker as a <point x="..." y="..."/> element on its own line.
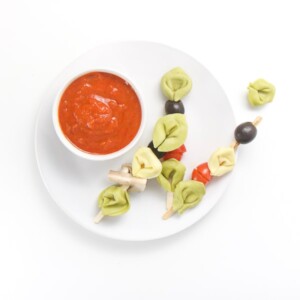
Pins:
<point x="168" y="214"/>
<point x="257" y="120"/>
<point x="98" y="217"/>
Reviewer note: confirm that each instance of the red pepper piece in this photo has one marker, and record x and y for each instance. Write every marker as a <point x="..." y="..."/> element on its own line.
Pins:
<point x="177" y="153"/>
<point x="202" y="173"/>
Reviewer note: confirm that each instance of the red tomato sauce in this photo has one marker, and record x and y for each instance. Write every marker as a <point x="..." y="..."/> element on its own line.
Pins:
<point x="100" y="113"/>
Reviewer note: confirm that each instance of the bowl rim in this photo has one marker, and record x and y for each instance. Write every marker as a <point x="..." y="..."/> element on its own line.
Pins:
<point x="76" y="150"/>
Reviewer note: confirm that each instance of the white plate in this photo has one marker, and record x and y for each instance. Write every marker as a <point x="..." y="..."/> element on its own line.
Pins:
<point x="74" y="183"/>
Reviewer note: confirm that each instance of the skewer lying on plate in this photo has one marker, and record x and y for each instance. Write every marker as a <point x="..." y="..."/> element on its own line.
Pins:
<point x="169" y="134"/>
<point x="188" y="194"/>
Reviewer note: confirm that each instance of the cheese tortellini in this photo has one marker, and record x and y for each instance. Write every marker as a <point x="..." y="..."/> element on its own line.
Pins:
<point x="221" y="161"/>
<point x="172" y="173"/>
<point x="170" y="132"/>
<point x="260" y="92"/>
<point x="114" y="201"/>
<point x="187" y="194"/>
<point x="175" y="84"/>
<point x="145" y="164"/>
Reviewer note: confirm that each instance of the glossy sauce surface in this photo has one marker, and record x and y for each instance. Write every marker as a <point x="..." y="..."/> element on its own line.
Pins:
<point x="100" y="113"/>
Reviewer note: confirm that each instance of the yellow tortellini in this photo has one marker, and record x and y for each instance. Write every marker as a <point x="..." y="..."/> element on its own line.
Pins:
<point x="145" y="164"/>
<point x="172" y="173"/>
<point x="113" y="201"/>
<point x="187" y="195"/>
<point x="170" y="132"/>
<point x="175" y="84"/>
<point x="260" y="92"/>
<point x="221" y="161"/>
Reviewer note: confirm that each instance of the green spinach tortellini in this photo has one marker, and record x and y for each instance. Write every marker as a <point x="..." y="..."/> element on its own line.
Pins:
<point x="114" y="201"/>
<point x="175" y="84"/>
<point x="170" y="132"/>
<point x="187" y="194"/>
<point x="172" y="173"/>
<point x="260" y="92"/>
<point x="145" y="164"/>
<point x="221" y="161"/>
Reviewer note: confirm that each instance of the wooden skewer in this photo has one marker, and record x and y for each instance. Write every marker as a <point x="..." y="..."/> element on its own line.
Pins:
<point x="170" y="210"/>
<point x="235" y="144"/>
<point x="168" y="214"/>
<point x="257" y="121"/>
<point x="170" y="197"/>
<point x="98" y="217"/>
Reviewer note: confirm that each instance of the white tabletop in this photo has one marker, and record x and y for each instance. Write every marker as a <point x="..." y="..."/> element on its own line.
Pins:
<point x="246" y="248"/>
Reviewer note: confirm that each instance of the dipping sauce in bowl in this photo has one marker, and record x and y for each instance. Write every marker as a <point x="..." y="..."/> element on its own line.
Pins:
<point x="99" y="113"/>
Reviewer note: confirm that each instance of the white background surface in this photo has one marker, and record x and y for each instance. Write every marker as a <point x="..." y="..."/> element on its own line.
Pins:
<point x="248" y="247"/>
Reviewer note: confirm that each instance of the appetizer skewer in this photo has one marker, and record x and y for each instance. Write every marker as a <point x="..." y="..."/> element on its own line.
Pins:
<point x="161" y="159"/>
<point x="221" y="162"/>
<point x="169" y="134"/>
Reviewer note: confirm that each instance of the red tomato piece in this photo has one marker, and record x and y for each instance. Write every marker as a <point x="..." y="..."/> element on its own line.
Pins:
<point x="177" y="153"/>
<point x="202" y="173"/>
<point x="170" y="155"/>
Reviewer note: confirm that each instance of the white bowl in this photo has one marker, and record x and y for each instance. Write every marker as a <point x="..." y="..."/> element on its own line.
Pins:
<point x="81" y="153"/>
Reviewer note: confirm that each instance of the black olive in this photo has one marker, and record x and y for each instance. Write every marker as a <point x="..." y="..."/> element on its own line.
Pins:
<point x="174" y="107"/>
<point x="245" y="133"/>
<point x="157" y="153"/>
